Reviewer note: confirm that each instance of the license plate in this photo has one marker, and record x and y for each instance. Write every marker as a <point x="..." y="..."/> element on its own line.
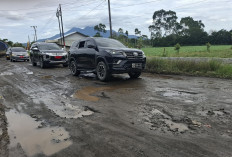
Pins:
<point x="58" y="57"/>
<point x="137" y="65"/>
<point x="21" y="56"/>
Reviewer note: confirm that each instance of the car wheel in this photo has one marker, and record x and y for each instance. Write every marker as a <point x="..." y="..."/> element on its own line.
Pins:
<point x="103" y="73"/>
<point x="73" y="68"/>
<point x="33" y="63"/>
<point x="134" y="74"/>
<point x="42" y="64"/>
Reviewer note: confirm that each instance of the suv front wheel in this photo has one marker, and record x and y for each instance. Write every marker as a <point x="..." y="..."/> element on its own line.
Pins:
<point x="103" y="73"/>
<point x="42" y="64"/>
<point x="73" y="68"/>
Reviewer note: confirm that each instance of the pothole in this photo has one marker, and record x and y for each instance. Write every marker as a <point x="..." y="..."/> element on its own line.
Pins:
<point x="163" y="122"/>
<point x="25" y="131"/>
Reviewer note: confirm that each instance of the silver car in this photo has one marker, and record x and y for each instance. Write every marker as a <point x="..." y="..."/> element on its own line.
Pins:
<point x="18" y="53"/>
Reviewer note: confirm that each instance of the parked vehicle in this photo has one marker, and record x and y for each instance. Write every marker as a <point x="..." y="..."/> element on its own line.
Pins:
<point x="18" y="53"/>
<point x="47" y="54"/>
<point x="104" y="57"/>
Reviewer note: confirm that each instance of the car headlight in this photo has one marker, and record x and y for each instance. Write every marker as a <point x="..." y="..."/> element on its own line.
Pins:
<point x="115" y="52"/>
<point x="143" y="54"/>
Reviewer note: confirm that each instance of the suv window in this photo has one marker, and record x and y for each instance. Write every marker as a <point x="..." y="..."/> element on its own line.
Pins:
<point x="82" y="44"/>
<point x="88" y="42"/>
<point x="75" y="44"/>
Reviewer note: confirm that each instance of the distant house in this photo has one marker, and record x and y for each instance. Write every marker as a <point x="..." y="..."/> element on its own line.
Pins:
<point x="69" y="39"/>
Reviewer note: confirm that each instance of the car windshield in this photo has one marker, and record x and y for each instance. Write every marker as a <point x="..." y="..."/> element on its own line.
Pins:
<point x="106" y="42"/>
<point x="48" y="47"/>
<point x="18" y="49"/>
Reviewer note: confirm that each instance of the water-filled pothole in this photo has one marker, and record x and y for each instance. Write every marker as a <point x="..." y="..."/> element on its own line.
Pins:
<point x="24" y="130"/>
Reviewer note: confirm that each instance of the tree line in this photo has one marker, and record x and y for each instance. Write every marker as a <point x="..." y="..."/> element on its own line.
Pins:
<point x="11" y="43"/>
<point x="165" y="30"/>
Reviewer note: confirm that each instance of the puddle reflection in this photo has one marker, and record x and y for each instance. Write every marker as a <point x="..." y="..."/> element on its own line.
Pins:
<point x="24" y="130"/>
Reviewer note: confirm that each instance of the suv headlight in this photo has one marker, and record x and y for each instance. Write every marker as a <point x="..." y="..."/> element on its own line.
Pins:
<point x="115" y="52"/>
<point x="143" y="54"/>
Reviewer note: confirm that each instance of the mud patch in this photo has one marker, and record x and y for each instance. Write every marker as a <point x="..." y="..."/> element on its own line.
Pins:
<point x="25" y="131"/>
<point x="158" y="120"/>
<point x="95" y="93"/>
<point x="85" y="93"/>
<point x="46" y="77"/>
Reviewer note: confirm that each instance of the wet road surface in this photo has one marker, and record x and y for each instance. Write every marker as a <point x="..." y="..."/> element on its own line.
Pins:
<point x="49" y="112"/>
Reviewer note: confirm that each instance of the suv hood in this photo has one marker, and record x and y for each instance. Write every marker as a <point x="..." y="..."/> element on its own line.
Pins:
<point x="53" y="51"/>
<point x="120" y="49"/>
<point x="19" y="53"/>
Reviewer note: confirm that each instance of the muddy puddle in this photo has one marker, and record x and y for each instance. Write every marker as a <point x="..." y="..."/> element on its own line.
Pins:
<point x="25" y="131"/>
<point x="86" y="93"/>
<point x="94" y="94"/>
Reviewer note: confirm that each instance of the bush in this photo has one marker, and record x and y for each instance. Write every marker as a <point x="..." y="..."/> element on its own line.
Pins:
<point x="177" y="48"/>
<point x="208" y="46"/>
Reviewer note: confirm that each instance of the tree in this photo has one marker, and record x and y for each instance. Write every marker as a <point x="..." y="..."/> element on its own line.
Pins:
<point x="120" y="31"/>
<point x="189" y="25"/>
<point x="127" y="33"/>
<point x="164" y="23"/>
<point x="100" y="28"/>
<point x="137" y="32"/>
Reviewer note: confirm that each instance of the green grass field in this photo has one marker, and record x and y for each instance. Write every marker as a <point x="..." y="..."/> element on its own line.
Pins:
<point x="222" y="51"/>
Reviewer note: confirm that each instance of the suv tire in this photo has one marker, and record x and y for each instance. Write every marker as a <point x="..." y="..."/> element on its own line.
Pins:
<point x="103" y="73"/>
<point x="42" y="64"/>
<point x="33" y="63"/>
<point x="73" y="68"/>
<point x="134" y="74"/>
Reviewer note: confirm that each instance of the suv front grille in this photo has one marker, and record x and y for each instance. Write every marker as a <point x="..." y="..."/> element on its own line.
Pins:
<point x="132" y="55"/>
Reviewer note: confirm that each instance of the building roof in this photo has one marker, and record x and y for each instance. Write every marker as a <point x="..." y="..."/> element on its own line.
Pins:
<point x="71" y="34"/>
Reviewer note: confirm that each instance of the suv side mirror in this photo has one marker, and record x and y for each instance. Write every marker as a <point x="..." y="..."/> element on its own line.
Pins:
<point x="34" y="48"/>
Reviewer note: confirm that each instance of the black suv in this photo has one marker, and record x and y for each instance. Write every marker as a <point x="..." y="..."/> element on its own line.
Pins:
<point x="47" y="53"/>
<point x="104" y="57"/>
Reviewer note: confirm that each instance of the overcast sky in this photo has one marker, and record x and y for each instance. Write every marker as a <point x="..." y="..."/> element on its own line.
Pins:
<point x="16" y="16"/>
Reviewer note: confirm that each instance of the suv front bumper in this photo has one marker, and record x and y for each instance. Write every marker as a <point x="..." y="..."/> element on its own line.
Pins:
<point x="120" y="65"/>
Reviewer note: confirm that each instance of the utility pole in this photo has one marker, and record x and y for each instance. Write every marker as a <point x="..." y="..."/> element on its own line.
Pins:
<point x="35" y="37"/>
<point x="58" y="15"/>
<point x="62" y="24"/>
<point x="110" y="19"/>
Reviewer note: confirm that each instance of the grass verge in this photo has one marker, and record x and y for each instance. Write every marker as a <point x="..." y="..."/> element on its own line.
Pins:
<point x="212" y="68"/>
<point x="222" y="51"/>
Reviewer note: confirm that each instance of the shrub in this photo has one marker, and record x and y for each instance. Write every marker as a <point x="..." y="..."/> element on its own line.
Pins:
<point x="208" y="46"/>
<point x="177" y="48"/>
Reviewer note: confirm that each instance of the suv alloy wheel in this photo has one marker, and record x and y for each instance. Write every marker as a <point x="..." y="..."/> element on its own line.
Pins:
<point x="102" y="71"/>
<point x="73" y="68"/>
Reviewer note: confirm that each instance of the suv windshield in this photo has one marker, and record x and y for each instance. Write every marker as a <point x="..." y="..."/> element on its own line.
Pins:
<point x="18" y="49"/>
<point x="105" y="42"/>
<point x="48" y="47"/>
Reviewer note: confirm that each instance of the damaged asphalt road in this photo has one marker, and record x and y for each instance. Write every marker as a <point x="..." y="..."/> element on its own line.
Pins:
<point x="49" y="112"/>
